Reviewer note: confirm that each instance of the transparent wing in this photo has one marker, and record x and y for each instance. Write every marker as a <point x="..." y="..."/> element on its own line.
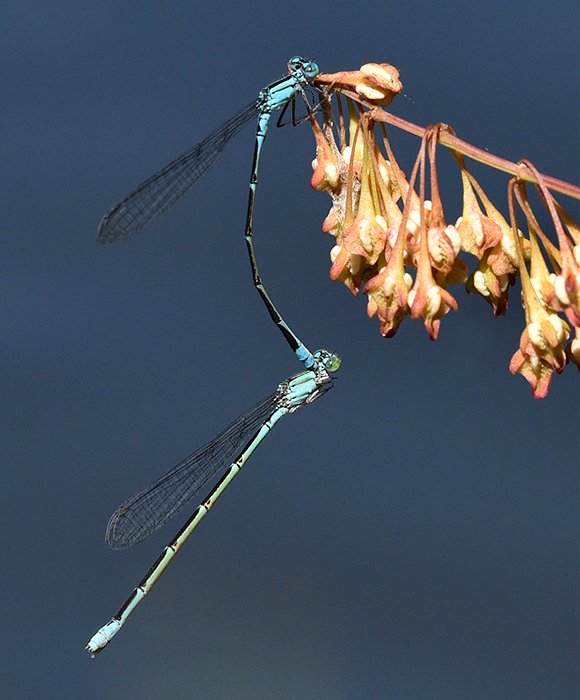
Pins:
<point x="162" y="190"/>
<point x="152" y="507"/>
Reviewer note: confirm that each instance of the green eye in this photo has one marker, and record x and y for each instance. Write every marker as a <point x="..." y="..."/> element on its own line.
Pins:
<point x="330" y="361"/>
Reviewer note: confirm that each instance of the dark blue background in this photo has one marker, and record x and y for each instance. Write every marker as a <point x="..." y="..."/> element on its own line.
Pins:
<point x="413" y="535"/>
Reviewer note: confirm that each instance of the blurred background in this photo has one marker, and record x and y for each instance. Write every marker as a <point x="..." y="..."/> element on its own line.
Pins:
<point x="414" y="534"/>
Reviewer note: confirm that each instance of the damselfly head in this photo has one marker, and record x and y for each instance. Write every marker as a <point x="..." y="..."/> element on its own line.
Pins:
<point x="329" y="360"/>
<point x="308" y="68"/>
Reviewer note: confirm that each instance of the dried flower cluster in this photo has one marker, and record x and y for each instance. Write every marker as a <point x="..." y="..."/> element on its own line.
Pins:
<point x="395" y="242"/>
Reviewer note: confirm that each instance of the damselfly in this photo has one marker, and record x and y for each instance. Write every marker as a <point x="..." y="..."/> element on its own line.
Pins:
<point x="161" y="191"/>
<point x="151" y="508"/>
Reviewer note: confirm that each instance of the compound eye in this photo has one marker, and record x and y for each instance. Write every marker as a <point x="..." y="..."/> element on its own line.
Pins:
<point x="311" y="70"/>
<point x="295" y="63"/>
<point x="330" y="361"/>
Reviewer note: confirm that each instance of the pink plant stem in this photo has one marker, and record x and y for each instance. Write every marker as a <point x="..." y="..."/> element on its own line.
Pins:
<point x="445" y="138"/>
